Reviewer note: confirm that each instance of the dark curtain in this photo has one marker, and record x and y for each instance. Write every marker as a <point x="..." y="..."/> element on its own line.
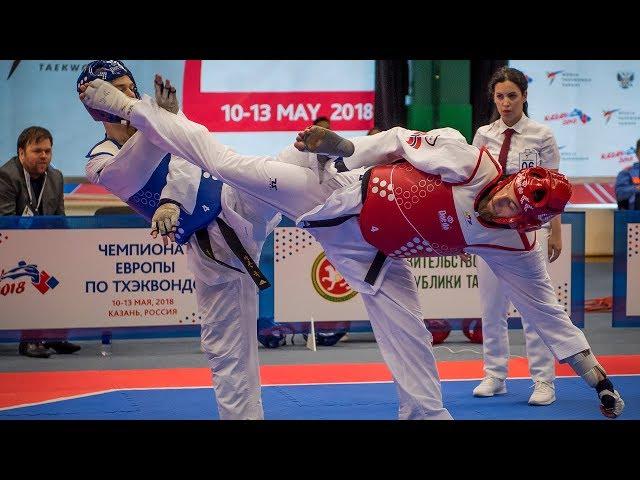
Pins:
<point x="392" y="85"/>
<point x="482" y="105"/>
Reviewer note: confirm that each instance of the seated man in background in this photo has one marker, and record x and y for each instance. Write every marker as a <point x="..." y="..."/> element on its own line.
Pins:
<point x="628" y="185"/>
<point x="428" y="194"/>
<point x="30" y="186"/>
<point x="217" y="223"/>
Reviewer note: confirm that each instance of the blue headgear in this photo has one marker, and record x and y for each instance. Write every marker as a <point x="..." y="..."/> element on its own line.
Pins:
<point x="107" y="70"/>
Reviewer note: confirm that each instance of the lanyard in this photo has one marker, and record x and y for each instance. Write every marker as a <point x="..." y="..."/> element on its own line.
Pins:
<point x="27" y="178"/>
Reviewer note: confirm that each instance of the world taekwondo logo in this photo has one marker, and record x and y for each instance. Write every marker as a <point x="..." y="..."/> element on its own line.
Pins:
<point x="40" y="279"/>
<point x="608" y="113"/>
<point x="328" y="282"/>
<point x="552" y="75"/>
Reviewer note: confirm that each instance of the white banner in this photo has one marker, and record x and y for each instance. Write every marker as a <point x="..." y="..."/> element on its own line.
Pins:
<point x="116" y="277"/>
<point x="593" y="108"/>
<point x="633" y="269"/>
<point x="307" y="285"/>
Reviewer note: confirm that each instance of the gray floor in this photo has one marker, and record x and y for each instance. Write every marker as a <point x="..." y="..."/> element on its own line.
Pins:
<point x="358" y="347"/>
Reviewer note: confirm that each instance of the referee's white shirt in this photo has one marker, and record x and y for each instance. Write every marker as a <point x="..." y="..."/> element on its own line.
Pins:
<point x="532" y="144"/>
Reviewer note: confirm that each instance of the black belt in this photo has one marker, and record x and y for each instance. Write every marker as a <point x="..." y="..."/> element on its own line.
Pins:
<point x="332" y="222"/>
<point x="374" y="269"/>
<point x="378" y="261"/>
<point x="238" y="250"/>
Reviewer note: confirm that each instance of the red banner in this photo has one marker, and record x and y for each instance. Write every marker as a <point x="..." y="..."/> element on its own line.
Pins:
<point x="272" y="111"/>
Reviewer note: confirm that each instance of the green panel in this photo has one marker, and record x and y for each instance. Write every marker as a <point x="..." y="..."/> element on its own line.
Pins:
<point x="420" y="117"/>
<point x="455" y="78"/>
<point x="422" y="81"/>
<point x="440" y="96"/>
<point x="458" y="117"/>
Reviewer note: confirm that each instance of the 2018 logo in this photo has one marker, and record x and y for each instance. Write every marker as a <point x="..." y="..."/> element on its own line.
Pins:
<point x="40" y="279"/>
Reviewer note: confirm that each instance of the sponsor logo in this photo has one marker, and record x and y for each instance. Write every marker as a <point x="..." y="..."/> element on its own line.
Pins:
<point x="622" y="156"/>
<point x="608" y="113"/>
<point x="571" y="156"/>
<point x="446" y="220"/>
<point x="49" y="67"/>
<point x="574" y="117"/>
<point x="40" y="279"/>
<point x="625" y="79"/>
<point x="415" y="139"/>
<point x="622" y="117"/>
<point x="520" y="184"/>
<point x="328" y="282"/>
<point x="14" y="65"/>
<point x="567" y="79"/>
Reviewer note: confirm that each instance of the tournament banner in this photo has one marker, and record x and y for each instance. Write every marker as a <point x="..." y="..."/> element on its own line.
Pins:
<point x="307" y="285"/>
<point x="626" y="269"/>
<point x="254" y="106"/>
<point x="592" y="107"/>
<point x="79" y="278"/>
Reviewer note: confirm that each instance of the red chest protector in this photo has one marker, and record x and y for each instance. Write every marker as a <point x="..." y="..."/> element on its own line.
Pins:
<point x="409" y="213"/>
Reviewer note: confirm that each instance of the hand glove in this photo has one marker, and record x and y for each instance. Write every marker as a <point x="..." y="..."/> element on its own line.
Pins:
<point x="103" y="96"/>
<point x="165" y="220"/>
<point x="166" y="95"/>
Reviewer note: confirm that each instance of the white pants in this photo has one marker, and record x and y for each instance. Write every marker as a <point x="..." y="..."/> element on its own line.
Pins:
<point x="523" y="278"/>
<point x="405" y="343"/>
<point x="227" y="300"/>
<point x="394" y="308"/>
<point x="495" y="335"/>
<point x="396" y="318"/>
<point x="230" y="341"/>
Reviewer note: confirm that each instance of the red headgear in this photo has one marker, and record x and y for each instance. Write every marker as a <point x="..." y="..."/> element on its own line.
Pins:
<point x="542" y="195"/>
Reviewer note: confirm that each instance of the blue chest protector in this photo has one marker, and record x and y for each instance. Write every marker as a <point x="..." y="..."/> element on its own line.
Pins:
<point x="207" y="207"/>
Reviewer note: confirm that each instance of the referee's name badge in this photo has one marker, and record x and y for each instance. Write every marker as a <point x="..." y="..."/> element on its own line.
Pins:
<point x="529" y="158"/>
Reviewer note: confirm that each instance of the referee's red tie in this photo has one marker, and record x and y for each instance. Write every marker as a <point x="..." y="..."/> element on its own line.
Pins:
<point x="502" y="158"/>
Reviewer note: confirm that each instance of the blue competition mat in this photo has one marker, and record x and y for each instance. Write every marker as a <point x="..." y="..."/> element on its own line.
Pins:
<point x="370" y="401"/>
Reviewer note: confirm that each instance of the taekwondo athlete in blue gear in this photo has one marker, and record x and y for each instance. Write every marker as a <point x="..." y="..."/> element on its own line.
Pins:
<point x="216" y="222"/>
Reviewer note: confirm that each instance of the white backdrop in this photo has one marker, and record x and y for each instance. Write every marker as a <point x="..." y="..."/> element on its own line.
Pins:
<point x="141" y="283"/>
<point x="307" y="285"/>
<point x="593" y="108"/>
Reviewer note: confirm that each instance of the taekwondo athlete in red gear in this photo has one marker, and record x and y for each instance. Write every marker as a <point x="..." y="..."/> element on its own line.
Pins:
<point x="331" y="212"/>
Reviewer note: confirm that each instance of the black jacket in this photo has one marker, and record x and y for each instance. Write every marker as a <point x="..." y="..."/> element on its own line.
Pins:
<point x="14" y="196"/>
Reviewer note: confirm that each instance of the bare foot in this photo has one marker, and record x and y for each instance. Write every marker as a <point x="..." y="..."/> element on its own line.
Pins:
<point x="322" y="141"/>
